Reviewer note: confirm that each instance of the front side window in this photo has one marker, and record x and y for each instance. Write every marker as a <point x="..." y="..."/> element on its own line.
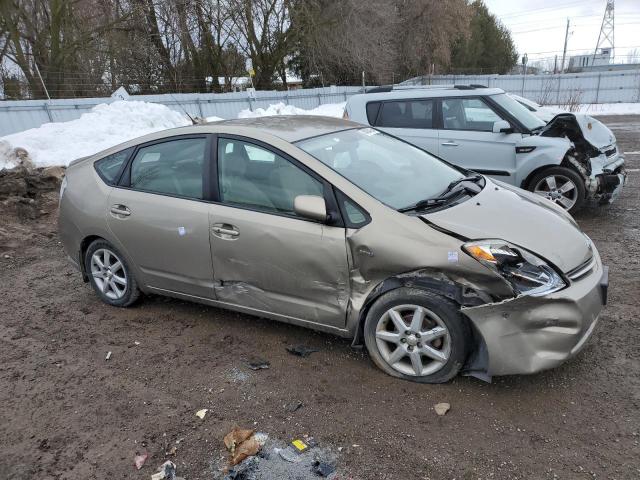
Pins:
<point x="406" y="114"/>
<point x="390" y="170"/>
<point x="468" y="114"/>
<point x="175" y="167"/>
<point x="254" y="177"/>
<point x="109" y="167"/>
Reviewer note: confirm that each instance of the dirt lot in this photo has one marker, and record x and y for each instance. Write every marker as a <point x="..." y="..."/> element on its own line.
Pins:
<point x="67" y="413"/>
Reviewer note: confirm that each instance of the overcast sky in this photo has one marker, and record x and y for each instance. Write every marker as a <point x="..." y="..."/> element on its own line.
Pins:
<point x="538" y="27"/>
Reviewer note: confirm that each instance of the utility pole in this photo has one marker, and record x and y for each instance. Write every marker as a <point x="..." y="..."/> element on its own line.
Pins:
<point x="564" y="51"/>
<point x="606" y="35"/>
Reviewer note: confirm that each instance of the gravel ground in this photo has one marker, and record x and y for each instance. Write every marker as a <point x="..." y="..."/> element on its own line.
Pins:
<point x="67" y="413"/>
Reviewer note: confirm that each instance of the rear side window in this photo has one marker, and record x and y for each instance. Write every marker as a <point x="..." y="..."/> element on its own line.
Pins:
<point x="173" y="168"/>
<point x="406" y="114"/>
<point x="372" y="112"/>
<point x="109" y="167"/>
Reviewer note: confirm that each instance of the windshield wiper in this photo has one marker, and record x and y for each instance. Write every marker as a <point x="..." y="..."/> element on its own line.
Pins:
<point x="462" y="185"/>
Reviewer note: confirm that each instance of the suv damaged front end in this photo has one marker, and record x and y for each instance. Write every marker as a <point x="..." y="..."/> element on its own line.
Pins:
<point x="594" y="154"/>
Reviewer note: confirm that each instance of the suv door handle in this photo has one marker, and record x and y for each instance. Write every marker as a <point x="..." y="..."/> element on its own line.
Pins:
<point x="225" y="229"/>
<point x="121" y="210"/>
<point x="450" y="143"/>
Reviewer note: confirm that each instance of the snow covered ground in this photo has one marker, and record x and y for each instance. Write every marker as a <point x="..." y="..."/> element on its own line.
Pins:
<point x="110" y="124"/>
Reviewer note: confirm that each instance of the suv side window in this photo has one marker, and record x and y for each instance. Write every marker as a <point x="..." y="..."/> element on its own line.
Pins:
<point x="254" y="177"/>
<point x="110" y="166"/>
<point x="467" y="114"/>
<point x="406" y="114"/>
<point x="175" y="167"/>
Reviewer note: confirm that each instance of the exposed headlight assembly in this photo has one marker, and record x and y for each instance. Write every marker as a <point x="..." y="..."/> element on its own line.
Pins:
<point x="527" y="273"/>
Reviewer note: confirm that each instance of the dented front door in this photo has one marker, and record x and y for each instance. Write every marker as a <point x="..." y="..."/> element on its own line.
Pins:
<point x="279" y="264"/>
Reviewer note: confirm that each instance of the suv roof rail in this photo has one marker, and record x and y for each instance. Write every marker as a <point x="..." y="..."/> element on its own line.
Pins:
<point x="390" y="88"/>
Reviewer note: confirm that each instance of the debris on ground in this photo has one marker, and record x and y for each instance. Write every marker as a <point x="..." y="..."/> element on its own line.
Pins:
<point x="278" y="461"/>
<point x="302" y="446"/>
<point x="167" y="471"/>
<point x="108" y="357"/>
<point x="301" y="350"/>
<point x="442" y="408"/>
<point x="258" y="364"/>
<point x="201" y="413"/>
<point x="322" y="468"/>
<point x="140" y="459"/>
<point x="294" y="406"/>
<point x="172" y="451"/>
<point x="242" y="443"/>
<point x="22" y="189"/>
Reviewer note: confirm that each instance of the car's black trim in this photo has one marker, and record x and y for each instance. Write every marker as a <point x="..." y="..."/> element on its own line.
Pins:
<point x="497" y="173"/>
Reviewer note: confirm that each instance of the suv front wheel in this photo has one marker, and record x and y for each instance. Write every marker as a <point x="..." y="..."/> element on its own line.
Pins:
<point x="561" y="185"/>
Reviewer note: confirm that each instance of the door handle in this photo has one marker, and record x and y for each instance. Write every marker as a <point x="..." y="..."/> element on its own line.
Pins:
<point x="225" y="229"/>
<point x="121" y="210"/>
<point x="450" y="143"/>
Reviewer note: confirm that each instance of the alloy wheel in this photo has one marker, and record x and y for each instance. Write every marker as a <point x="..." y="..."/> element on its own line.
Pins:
<point x="558" y="189"/>
<point x="413" y="340"/>
<point x="109" y="273"/>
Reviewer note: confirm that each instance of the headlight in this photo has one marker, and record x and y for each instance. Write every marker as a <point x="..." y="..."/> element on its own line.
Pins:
<point x="527" y="273"/>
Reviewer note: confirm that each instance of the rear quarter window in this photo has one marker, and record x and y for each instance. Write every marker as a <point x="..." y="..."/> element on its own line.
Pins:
<point x="372" y="112"/>
<point x="109" y="167"/>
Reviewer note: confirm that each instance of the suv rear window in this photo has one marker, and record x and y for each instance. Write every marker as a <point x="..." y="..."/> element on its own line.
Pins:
<point x="109" y="167"/>
<point x="406" y="114"/>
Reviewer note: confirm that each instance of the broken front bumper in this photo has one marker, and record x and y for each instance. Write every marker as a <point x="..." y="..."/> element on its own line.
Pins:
<point x="606" y="182"/>
<point x="529" y="334"/>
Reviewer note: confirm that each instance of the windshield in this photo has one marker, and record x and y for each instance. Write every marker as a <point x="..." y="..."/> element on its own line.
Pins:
<point x="392" y="171"/>
<point x="519" y="111"/>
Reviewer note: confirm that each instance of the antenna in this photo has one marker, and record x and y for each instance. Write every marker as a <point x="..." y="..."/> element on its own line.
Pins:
<point x="605" y="38"/>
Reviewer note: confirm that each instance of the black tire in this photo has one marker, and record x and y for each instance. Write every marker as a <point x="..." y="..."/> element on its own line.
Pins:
<point x="131" y="291"/>
<point x="447" y="311"/>
<point x="569" y="173"/>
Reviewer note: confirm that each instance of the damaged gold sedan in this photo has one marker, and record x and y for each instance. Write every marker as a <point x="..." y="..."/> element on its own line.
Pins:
<point x="328" y="224"/>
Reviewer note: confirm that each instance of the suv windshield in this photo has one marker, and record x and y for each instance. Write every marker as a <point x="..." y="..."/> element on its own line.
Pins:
<point x="394" y="172"/>
<point x="519" y="111"/>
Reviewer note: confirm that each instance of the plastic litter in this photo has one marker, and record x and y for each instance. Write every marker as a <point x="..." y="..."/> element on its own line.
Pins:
<point x="140" y="459"/>
<point x="442" y="408"/>
<point x="288" y="454"/>
<point x="108" y="356"/>
<point x="322" y="468"/>
<point x="201" y="413"/>
<point x="258" y="364"/>
<point x="166" y="471"/>
<point x="301" y="350"/>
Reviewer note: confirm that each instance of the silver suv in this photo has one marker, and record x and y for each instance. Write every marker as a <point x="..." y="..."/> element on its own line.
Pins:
<point x="569" y="160"/>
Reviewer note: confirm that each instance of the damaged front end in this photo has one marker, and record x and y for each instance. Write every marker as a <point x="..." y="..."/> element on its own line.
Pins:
<point x="594" y="154"/>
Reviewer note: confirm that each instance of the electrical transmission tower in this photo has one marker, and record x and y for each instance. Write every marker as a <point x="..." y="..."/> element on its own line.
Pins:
<point x="606" y="36"/>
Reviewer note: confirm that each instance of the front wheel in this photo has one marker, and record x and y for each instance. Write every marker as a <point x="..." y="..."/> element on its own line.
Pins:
<point x="561" y="185"/>
<point x="417" y="335"/>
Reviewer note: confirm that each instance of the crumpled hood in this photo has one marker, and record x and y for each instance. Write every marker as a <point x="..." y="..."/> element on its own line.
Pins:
<point x="509" y="213"/>
<point x="596" y="133"/>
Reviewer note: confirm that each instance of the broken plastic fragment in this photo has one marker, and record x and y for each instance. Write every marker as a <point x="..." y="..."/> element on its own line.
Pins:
<point x="442" y="408"/>
<point x="301" y="351"/>
<point x="140" y="459"/>
<point x="323" y="469"/>
<point x="201" y="413"/>
<point x="167" y="471"/>
<point x="108" y="356"/>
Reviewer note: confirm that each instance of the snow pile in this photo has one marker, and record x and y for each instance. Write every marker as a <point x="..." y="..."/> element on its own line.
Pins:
<point x="327" y="110"/>
<point x="104" y="126"/>
<point x="604" y="108"/>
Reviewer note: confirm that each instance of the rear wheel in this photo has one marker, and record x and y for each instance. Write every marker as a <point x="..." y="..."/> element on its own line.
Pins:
<point x="110" y="275"/>
<point x="561" y="185"/>
<point x="417" y="335"/>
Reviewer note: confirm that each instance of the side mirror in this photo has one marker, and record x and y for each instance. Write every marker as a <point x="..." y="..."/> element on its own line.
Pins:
<point x="502" y="126"/>
<point x="310" y="206"/>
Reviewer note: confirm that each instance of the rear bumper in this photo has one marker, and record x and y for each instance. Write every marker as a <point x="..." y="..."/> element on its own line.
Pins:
<point x="530" y="334"/>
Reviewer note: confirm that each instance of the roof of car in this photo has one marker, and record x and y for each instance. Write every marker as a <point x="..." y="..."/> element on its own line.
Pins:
<point x="290" y="128"/>
<point x="427" y="91"/>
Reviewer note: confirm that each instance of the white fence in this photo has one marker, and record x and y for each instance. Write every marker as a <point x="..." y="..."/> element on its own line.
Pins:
<point x="19" y="115"/>
<point x="592" y="87"/>
<point x="561" y="89"/>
